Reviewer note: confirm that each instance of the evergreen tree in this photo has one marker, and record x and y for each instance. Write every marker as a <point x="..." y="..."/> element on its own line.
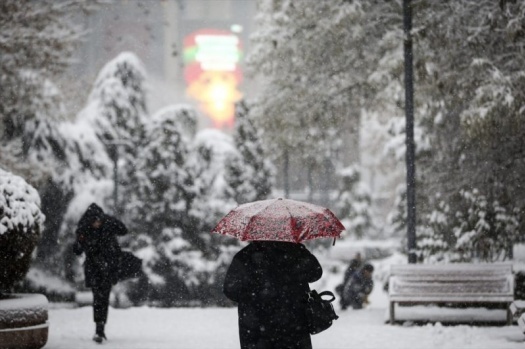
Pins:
<point x="213" y="150"/>
<point x="181" y="196"/>
<point x="38" y="38"/>
<point x="250" y="175"/>
<point x="165" y="189"/>
<point x="472" y="228"/>
<point x="117" y="111"/>
<point x="353" y="203"/>
<point x="468" y="100"/>
<point x="308" y="100"/>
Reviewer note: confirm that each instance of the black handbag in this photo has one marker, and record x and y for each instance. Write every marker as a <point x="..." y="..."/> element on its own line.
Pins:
<point x="320" y="312"/>
<point x="129" y="266"/>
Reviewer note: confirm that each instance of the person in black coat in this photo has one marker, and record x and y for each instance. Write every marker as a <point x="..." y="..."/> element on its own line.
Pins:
<point x="359" y="287"/>
<point x="354" y="265"/>
<point x="97" y="237"/>
<point x="269" y="281"/>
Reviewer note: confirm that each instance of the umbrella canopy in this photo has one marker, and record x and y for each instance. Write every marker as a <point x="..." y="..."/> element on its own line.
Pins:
<point x="279" y="220"/>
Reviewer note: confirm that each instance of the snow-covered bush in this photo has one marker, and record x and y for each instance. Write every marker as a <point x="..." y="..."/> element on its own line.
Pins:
<point x="249" y="176"/>
<point x="117" y="111"/>
<point x="354" y="202"/>
<point x="181" y="194"/>
<point x="213" y="150"/>
<point x="21" y="223"/>
<point x="165" y="186"/>
<point x="470" y="228"/>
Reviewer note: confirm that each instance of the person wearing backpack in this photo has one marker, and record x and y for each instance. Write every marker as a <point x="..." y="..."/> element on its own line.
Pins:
<point x="96" y="236"/>
<point x="269" y="281"/>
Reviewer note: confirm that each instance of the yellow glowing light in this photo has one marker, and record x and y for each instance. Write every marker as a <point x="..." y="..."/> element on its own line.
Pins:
<point x="212" y="72"/>
<point x="217" y="93"/>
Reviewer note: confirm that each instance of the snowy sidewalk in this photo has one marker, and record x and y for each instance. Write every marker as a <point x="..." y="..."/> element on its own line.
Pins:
<point x="188" y="328"/>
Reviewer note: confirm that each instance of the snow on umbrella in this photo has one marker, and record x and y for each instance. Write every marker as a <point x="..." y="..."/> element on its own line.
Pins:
<point x="279" y="220"/>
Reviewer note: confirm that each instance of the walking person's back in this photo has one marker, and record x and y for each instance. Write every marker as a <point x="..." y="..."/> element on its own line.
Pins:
<point x="269" y="281"/>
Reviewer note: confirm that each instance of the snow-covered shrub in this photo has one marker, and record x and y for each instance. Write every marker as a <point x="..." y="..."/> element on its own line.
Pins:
<point x="38" y="280"/>
<point x="397" y="218"/>
<point x="354" y="202"/>
<point x="21" y="223"/>
<point x="213" y="150"/>
<point x="249" y="176"/>
<point x="117" y="110"/>
<point x="181" y="195"/>
<point x="165" y="186"/>
<point x="471" y="228"/>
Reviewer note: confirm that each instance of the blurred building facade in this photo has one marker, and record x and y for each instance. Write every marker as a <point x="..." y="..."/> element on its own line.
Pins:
<point x="160" y="33"/>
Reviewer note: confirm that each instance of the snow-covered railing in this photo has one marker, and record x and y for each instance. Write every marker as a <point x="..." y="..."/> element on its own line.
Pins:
<point x="476" y="284"/>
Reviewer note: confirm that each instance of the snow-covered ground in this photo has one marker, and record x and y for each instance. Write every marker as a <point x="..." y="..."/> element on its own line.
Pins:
<point x="188" y="328"/>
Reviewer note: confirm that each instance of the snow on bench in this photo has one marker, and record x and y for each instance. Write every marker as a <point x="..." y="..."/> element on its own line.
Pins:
<point x="476" y="284"/>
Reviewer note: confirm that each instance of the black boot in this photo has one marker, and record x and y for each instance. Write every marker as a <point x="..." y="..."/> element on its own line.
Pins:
<point x="99" y="333"/>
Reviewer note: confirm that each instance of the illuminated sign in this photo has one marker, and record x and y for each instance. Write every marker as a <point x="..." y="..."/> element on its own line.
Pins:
<point x="212" y="73"/>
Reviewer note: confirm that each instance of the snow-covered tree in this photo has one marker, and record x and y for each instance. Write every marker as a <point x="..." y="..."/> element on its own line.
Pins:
<point x="213" y="150"/>
<point x="117" y="111"/>
<point x="165" y="189"/>
<point x="21" y="223"/>
<point x="181" y="195"/>
<point x="38" y="38"/>
<point x="473" y="228"/>
<point x="469" y="100"/>
<point x="354" y="203"/>
<point x="250" y="176"/>
<point x="303" y="51"/>
<point x="160" y="210"/>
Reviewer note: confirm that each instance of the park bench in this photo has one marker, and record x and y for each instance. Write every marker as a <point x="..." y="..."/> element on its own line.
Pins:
<point x="448" y="284"/>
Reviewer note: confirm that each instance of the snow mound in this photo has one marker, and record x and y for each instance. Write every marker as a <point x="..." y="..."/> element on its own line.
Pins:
<point x="19" y="205"/>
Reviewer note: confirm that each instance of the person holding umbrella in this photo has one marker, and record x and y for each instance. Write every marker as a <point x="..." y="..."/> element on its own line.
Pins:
<point x="269" y="277"/>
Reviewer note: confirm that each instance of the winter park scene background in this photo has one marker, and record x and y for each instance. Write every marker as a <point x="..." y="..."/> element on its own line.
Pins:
<point x="170" y="113"/>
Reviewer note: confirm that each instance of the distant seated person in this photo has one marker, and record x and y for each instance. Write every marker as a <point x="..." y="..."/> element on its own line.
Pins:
<point x="356" y="290"/>
<point x="353" y="266"/>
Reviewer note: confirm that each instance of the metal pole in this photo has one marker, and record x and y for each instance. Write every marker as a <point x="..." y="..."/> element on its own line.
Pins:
<point x="410" y="145"/>
<point x="115" y="179"/>
<point x="286" y="174"/>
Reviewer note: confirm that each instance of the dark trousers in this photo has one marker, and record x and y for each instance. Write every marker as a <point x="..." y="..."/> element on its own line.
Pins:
<point x="101" y="302"/>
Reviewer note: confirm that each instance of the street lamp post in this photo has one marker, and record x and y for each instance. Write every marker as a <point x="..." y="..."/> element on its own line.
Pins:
<point x="410" y="145"/>
<point x="113" y="151"/>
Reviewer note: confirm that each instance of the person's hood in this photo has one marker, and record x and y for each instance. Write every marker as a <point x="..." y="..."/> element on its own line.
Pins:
<point x="92" y="213"/>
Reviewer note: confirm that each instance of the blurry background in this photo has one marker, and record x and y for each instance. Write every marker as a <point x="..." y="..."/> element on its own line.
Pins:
<point x="163" y="35"/>
<point x="169" y="113"/>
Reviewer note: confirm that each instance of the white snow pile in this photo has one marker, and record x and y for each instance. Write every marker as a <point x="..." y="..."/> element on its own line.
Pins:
<point x="19" y="205"/>
<point x="23" y="308"/>
<point x="39" y="278"/>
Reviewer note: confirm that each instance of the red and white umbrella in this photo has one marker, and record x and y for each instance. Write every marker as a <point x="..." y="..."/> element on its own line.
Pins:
<point x="279" y="220"/>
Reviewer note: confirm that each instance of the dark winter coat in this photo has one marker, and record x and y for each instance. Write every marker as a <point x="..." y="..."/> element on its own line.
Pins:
<point x="100" y="245"/>
<point x="353" y="266"/>
<point x="357" y="289"/>
<point x="269" y="281"/>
